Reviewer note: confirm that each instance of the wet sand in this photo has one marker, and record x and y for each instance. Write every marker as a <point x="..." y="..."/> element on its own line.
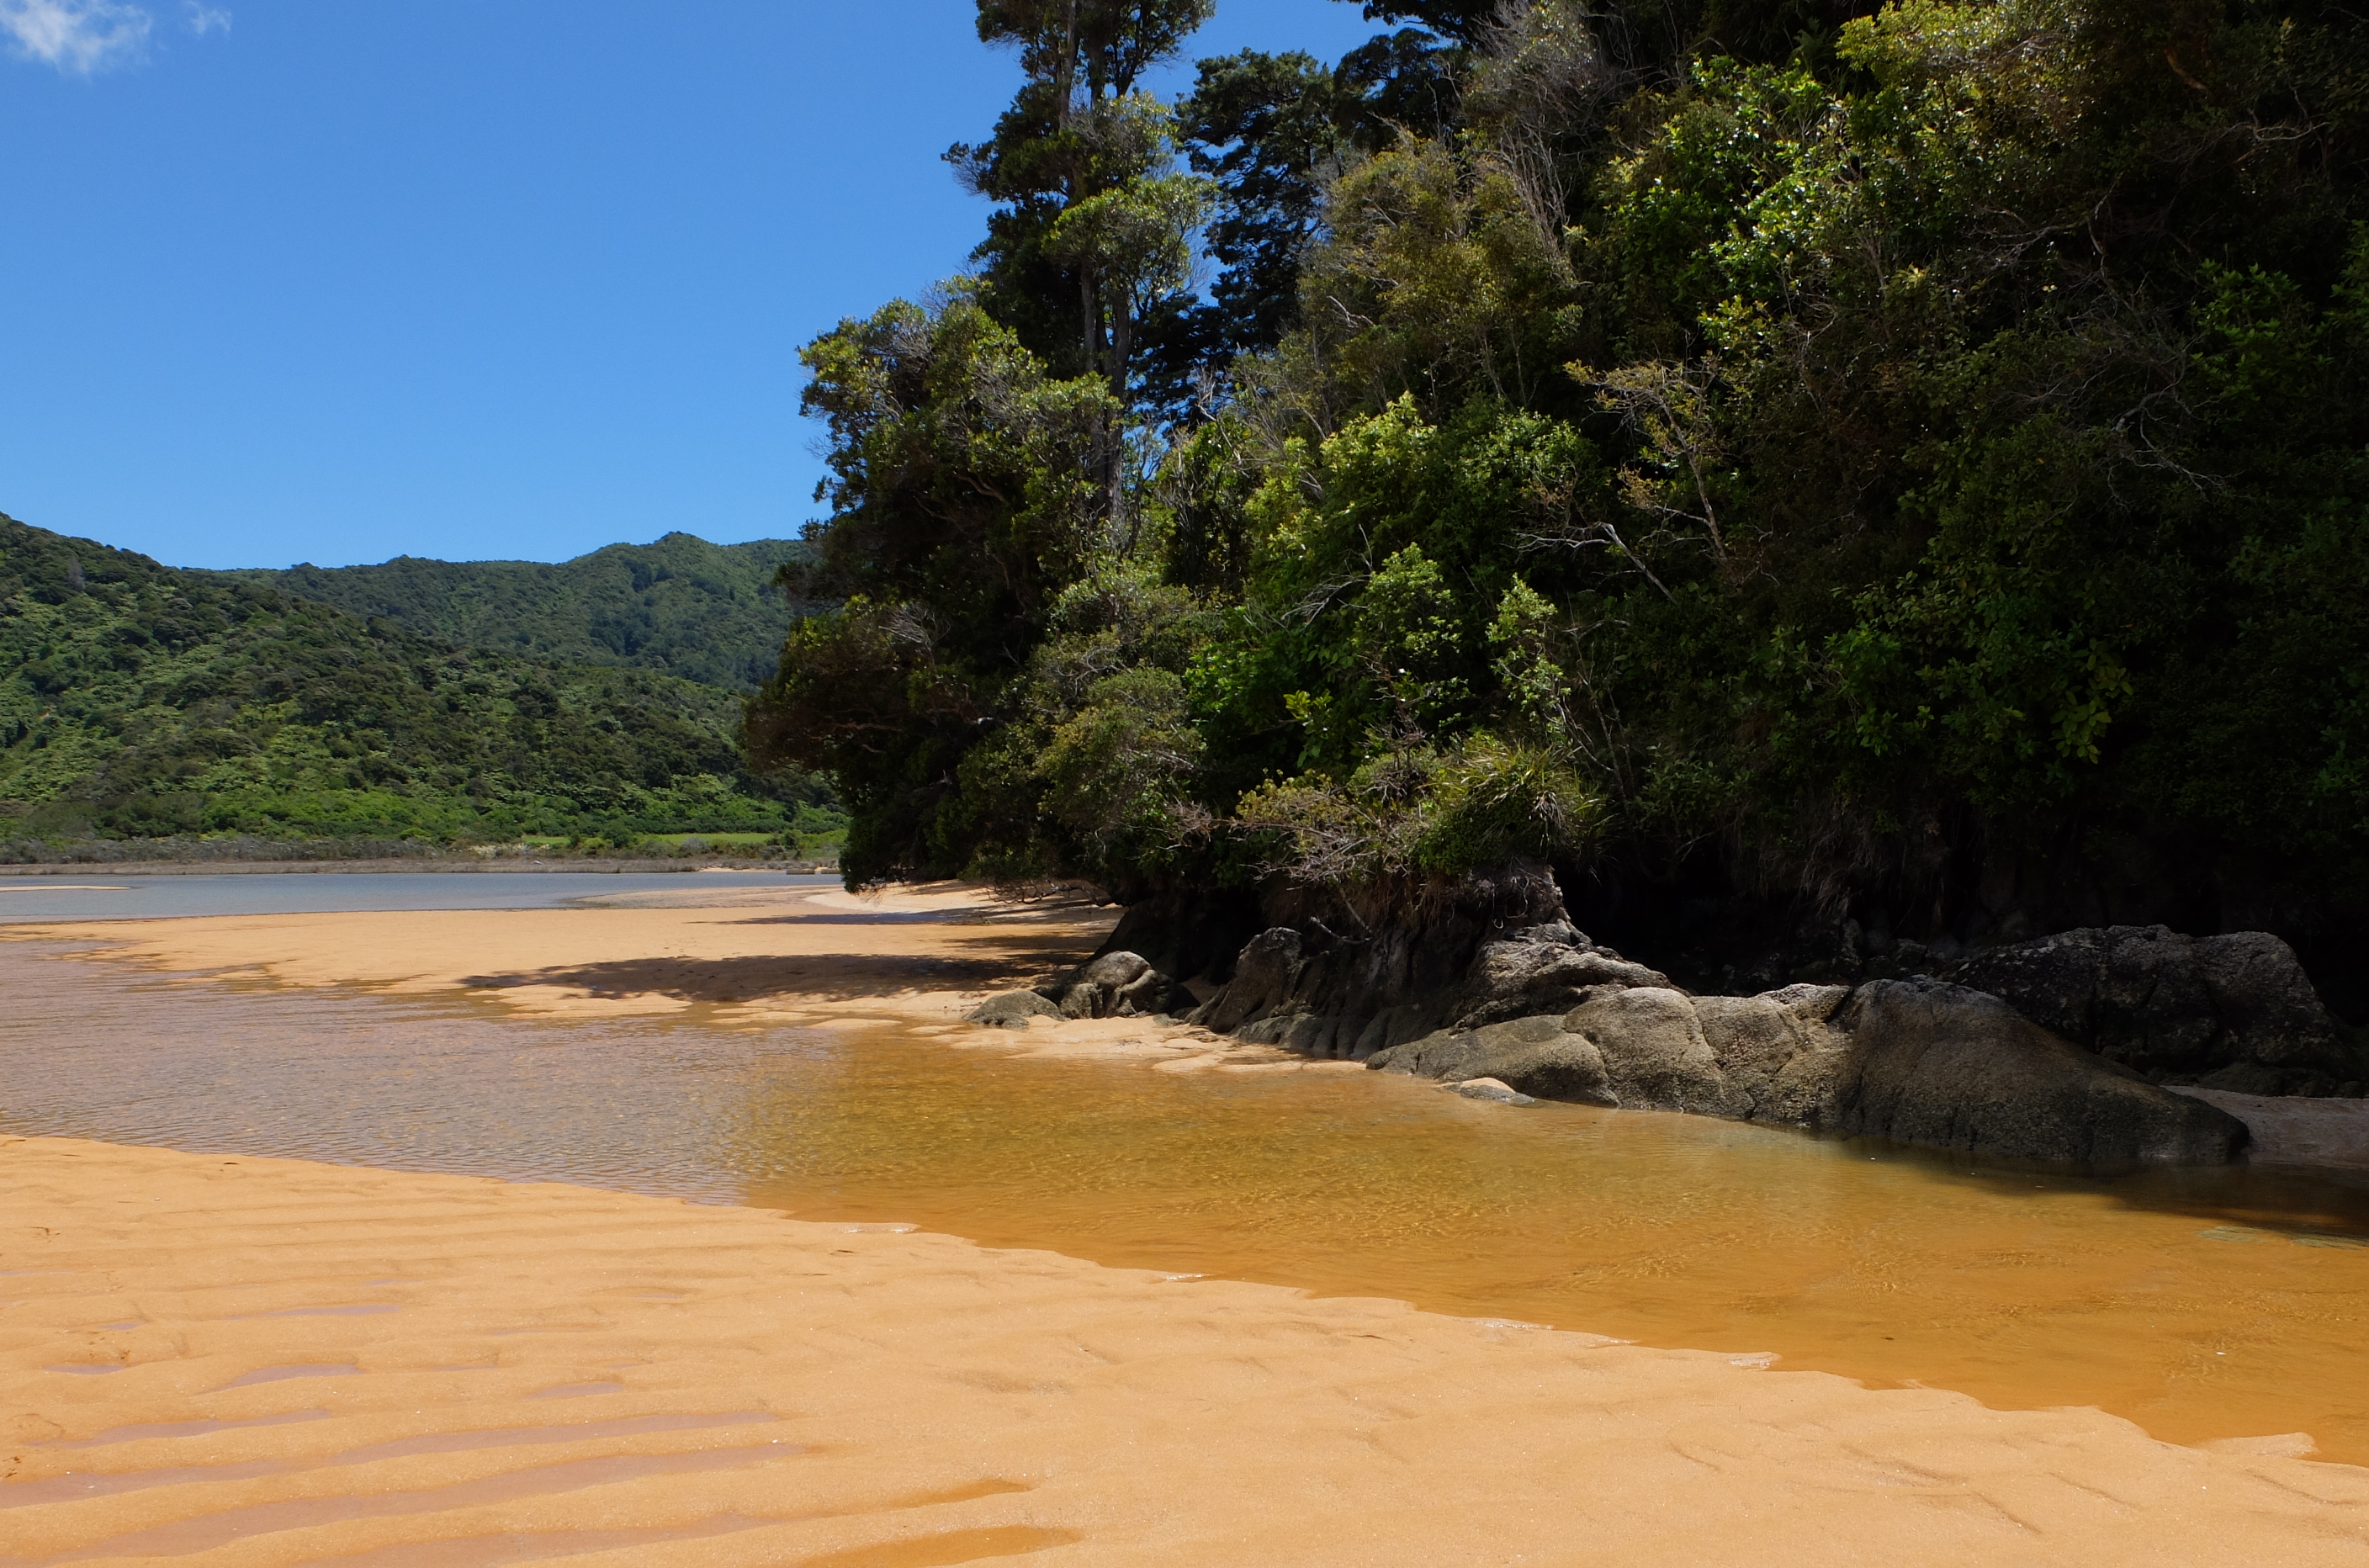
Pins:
<point x="636" y="1371"/>
<point x="798" y="954"/>
<point x="791" y="957"/>
<point x="249" y="1361"/>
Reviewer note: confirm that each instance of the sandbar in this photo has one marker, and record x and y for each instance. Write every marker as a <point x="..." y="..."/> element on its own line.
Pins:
<point x="244" y="1361"/>
<point x="797" y="953"/>
<point x="796" y="957"/>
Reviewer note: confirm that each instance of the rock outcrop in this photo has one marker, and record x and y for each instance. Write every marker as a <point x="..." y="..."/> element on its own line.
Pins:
<point x="1115" y="985"/>
<point x="1491" y="1089"/>
<point x="1339" y="981"/>
<point x="1011" y="1010"/>
<point x="1940" y="1065"/>
<point x="2232" y="1013"/>
<point x="1917" y="1062"/>
<point x="1525" y="1000"/>
<point x="2053" y="1049"/>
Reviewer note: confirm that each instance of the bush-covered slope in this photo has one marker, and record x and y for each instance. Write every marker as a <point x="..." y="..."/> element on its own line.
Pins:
<point x="136" y="699"/>
<point x="1893" y="470"/>
<point x="681" y="606"/>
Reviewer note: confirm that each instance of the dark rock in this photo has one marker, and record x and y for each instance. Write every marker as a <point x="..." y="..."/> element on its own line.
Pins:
<point x="1189" y="935"/>
<point x="1400" y="953"/>
<point x="2234" y="1011"/>
<point x="1136" y="989"/>
<point x="1268" y="977"/>
<point x="1115" y="985"/>
<point x="1452" y="1054"/>
<point x="1564" y="1067"/>
<point x="1950" y="1068"/>
<point x="1390" y="1026"/>
<point x="1472" y="952"/>
<point x="1488" y="978"/>
<point x="1012" y="1010"/>
<point x="1086" y="1000"/>
<point x="1117" y="970"/>
<point x="1633" y="1050"/>
<point x="1654" y="1052"/>
<point x="1917" y="1062"/>
<point x="1776" y="1049"/>
<point x="1310" y="1034"/>
<point x="1535" y="1056"/>
<point x="1175" y="999"/>
<point x="1529" y="975"/>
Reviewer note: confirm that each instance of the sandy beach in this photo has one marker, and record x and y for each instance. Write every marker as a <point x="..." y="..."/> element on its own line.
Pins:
<point x="802" y="956"/>
<point x="791" y="953"/>
<point x="286" y="1363"/>
<point x="231" y="1361"/>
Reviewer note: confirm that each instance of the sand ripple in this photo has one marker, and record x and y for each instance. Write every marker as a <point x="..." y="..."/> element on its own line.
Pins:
<point x="789" y="1394"/>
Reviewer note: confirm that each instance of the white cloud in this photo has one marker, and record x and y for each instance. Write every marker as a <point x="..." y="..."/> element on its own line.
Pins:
<point x="78" y="37"/>
<point x="205" y="19"/>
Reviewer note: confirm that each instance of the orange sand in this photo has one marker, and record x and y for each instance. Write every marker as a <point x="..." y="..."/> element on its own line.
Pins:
<point x="794" y="957"/>
<point x="555" y="1372"/>
<point x="798" y="952"/>
<point x="308" y="1364"/>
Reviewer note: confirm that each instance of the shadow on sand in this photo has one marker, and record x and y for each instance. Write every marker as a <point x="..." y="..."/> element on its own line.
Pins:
<point x="1001" y="960"/>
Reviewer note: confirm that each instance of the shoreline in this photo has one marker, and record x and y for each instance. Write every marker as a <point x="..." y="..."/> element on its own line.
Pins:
<point x="820" y="958"/>
<point x="695" y="947"/>
<point x="725" y="1385"/>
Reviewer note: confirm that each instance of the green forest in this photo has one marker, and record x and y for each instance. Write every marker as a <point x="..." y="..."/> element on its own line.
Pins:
<point x="681" y="606"/>
<point x="1907" y="462"/>
<point x="141" y="703"/>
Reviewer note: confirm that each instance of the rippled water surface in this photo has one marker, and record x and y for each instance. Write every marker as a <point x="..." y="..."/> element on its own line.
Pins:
<point x="2202" y="1304"/>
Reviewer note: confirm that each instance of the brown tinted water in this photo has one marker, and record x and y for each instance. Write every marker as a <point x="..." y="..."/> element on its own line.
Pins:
<point x="2200" y="1304"/>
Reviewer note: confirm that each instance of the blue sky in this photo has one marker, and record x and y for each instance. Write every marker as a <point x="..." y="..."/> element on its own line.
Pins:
<point x="341" y="280"/>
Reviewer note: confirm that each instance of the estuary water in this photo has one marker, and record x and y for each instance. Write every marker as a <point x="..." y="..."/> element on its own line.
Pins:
<point x="95" y="896"/>
<point x="2219" y="1304"/>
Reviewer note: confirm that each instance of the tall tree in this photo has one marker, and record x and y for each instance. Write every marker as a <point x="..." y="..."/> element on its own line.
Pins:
<point x="1841" y="440"/>
<point x="981" y="444"/>
<point x="1094" y="231"/>
<point x="1272" y="132"/>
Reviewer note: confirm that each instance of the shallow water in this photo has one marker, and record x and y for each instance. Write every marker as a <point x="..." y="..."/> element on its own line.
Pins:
<point x="92" y="895"/>
<point x="2202" y="1304"/>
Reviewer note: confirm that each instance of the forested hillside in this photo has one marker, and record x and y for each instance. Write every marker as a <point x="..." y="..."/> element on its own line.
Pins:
<point x="136" y="701"/>
<point x="681" y="606"/>
<point x="1796" y="463"/>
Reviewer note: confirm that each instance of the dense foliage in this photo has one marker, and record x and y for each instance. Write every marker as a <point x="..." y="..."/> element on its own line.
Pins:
<point x="1852" y="443"/>
<point x="681" y="606"/>
<point x="139" y="701"/>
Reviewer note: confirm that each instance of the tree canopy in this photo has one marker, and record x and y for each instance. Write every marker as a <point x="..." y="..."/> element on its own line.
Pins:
<point x="678" y="605"/>
<point x="1867" y="449"/>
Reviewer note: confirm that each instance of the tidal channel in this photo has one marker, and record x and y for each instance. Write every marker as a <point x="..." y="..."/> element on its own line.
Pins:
<point x="2200" y="1304"/>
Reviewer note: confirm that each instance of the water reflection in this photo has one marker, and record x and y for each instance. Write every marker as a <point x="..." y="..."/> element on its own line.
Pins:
<point x="2199" y="1303"/>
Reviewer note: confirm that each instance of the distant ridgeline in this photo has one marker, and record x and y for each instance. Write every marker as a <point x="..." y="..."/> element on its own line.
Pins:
<point x="706" y="612"/>
<point x="138" y="701"/>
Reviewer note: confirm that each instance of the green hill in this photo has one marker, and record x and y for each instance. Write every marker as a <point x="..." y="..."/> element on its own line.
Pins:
<point x="681" y="606"/>
<point x="138" y="701"/>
